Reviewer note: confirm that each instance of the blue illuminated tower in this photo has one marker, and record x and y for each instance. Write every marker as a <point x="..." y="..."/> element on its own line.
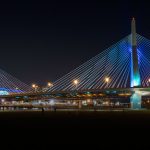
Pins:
<point x="135" y="75"/>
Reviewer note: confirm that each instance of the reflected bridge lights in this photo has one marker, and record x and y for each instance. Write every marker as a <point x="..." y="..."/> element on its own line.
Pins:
<point x="52" y="102"/>
<point x="2" y="101"/>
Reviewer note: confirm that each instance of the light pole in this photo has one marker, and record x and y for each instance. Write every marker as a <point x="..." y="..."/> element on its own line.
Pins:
<point x="75" y="82"/>
<point x="149" y="82"/>
<point x="107" y="80"/>
<point x="34" y="86"/>
<point x="49" y="85"/>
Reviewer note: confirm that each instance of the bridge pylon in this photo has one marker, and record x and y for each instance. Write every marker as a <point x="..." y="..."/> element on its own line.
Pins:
<point x="135" y="75"/>
<point x="135" y="80"/>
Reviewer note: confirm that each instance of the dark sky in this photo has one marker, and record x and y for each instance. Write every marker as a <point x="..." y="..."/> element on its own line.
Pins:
<point x="41" y="41"/>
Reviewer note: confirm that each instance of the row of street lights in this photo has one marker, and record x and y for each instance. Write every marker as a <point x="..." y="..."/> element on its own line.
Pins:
<point x="107" y="81"/>
<point x="35" y="86"/>
<point x="75" y="82"/>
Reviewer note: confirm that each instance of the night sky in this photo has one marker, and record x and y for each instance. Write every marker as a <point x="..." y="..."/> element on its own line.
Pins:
<point x="41" y="41"/>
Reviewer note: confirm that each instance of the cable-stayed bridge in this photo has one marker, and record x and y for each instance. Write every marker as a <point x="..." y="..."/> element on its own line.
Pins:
<point x="109" y="69"/>
<point x="10" y="85"/>
<point x="116" y="67"/>
<point x="122" y="70"/>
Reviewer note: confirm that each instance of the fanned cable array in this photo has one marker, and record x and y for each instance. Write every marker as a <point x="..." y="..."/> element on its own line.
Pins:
<point x="10" y="85"/>
<point x="113" y="63"/>
<point x="143" y="47"/>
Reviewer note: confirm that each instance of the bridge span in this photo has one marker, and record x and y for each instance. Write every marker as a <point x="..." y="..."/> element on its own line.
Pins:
<point x="119" y="73"/>
<point x="76" y="99"/>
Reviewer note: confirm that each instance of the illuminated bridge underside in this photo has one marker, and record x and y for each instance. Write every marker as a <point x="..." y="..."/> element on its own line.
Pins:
<point x="10" y="85"/>
<point x="73" y="95"/>
<point x="115" y="63"/>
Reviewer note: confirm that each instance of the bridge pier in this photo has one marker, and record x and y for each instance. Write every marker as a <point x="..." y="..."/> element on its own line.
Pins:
<point x="136" y="99"/>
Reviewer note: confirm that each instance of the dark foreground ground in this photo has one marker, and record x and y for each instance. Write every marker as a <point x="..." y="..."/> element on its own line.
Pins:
<point x="102" y="129"/>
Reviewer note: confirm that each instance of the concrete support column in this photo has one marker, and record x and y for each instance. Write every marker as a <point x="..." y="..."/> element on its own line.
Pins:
<point x="136" y="100"/>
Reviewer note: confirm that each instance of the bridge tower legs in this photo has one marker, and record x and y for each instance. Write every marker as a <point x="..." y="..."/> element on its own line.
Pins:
<point x="135" y="81"/>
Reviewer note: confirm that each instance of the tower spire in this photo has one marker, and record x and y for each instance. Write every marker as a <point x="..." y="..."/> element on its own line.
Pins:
<point x="135" y="75"/>
<point x="133" y="32"/>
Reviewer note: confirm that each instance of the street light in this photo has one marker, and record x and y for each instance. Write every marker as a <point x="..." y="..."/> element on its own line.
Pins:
<point x="75" y="82"/>
<point x="49" y="84"/>
<point x="34" y="86"/>
<point x="149" y="82"/>
<point x="107" y="79"/>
